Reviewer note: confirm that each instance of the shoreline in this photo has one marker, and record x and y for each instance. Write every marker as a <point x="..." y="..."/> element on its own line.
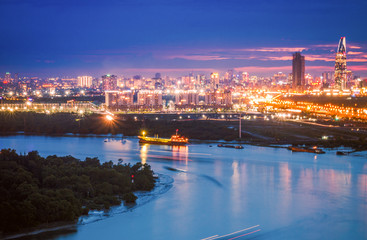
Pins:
<point x="164" y="184"/>
<point x="278" y="144"/>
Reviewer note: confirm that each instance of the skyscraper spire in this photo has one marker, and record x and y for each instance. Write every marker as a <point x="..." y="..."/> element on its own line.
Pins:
<point x="342" y="47"/>
<point x="341" y="65"/>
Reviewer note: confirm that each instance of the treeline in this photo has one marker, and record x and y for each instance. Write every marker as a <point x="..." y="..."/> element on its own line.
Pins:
<point x="36" y="190"/>
<point x="61" y="123"/>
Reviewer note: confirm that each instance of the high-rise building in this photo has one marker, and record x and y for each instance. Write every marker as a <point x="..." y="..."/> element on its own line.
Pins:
<point x="158" y="76"/>
<point x="119" y="99"/>
<point x="85" y="81"/>
<point x="7" y="78"/>
<point x="298" y="71"/>
<point x="109" y="82"/>
<point x="341" y="65"/>
<point x="218" y="98"/>
<point x="150" y="98"/>
<point x="245" y="77"/>
<point x="214" y="80"/>
<point x="186" y="97"/>
<point x="16" y="79"/>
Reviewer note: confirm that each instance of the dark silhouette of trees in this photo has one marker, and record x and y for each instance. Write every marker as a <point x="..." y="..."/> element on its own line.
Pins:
<point x="36" y="190"/>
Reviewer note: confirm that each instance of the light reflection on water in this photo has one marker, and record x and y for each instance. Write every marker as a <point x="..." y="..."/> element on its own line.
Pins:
<point x="291" y="195"/>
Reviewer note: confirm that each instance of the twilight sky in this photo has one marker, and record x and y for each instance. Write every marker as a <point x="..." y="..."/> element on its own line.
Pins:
<point x="175" y="37"/>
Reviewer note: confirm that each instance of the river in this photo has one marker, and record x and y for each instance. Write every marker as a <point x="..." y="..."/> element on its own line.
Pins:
<point x="221" y="193"/>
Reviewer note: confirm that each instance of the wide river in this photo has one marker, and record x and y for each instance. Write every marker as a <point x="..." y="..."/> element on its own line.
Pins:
<point x="221" y="193"/>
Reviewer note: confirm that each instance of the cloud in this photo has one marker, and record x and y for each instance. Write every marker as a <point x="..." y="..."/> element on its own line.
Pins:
<point x="316" y="57"/>
<point x="358" y="68"/>
<point x="274" y="49"/>
<point x="198" y="57"/>
<point x="354" y="53"/>
<point x="357" y="60"/>
<point x="280" y="58"/>
<point x="325" y="46"/>
<point x="354" y="47"/>
<point x="258" y="69"/>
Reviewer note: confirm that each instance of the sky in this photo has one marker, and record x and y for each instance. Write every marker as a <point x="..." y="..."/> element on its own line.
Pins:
<point x="174" y="37"/>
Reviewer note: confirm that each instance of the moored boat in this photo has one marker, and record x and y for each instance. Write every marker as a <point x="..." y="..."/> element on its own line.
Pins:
<point x="303" y="149"/>
<point x="174" y="140"/>
<point x="230" y="146"/>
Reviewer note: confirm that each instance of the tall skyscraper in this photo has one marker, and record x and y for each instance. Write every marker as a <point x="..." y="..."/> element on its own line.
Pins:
<point x="7" y="78"/>
<point x="245" y="77"/>
<point x="298" y="71"/>
<point x="341" y="65"/>
<point x="214" y="80"/>
<point x="109" y="82"/>
<point x="16" y="79"/>
<point x="85" y="81"/>
<point x="158" y="76"/>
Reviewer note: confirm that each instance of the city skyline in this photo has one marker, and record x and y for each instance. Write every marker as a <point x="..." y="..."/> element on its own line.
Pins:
<point x="63" y="38"/>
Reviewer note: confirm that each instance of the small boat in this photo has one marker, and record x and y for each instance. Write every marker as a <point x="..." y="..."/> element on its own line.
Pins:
<point x="230" y="146"/>
<point x="340" y="153"/>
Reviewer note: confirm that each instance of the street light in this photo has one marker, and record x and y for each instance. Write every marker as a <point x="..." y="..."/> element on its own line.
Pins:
<point x="109" y="117"/>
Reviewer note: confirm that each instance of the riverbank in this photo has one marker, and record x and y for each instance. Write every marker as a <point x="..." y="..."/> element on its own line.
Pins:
<point x="258" y="131"/>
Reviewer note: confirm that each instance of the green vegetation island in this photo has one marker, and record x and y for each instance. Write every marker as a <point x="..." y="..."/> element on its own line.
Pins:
<point x="37" y="191"/>
<point x="254" y="131"/>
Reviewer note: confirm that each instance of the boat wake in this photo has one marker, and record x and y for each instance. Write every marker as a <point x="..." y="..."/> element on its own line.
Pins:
<point x="213" y="180"/>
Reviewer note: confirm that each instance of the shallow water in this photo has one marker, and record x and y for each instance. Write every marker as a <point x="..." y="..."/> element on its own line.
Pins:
<point x="220" y="192"/>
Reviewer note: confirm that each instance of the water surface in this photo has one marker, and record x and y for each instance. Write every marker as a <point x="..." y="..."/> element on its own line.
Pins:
<point x="220" y="191"/>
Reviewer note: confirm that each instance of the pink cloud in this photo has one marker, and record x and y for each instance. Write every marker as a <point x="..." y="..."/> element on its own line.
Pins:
<point x="354" y="53"/>
<point x="264" y="69"/>
<point x="358" y="68"/>
<point x="198" y="57"/>
<point x="319" y="58"/>
<point x="357" y="60"/>
<point x="354" y="47"/>
<point x="274" y="49"/>
<point x="325" y="46"/>
<point x="137" y="70"/>
<point x="280" y="58"/>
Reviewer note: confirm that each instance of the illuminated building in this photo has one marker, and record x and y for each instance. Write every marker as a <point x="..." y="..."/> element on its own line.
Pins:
<point x="328" y="77"/>
<point x="85" y="81"/>
<point x="7" y="78"/>
<point x="189" y="97"/>
<point x="245" y="77"/>
<point x="119" y="99"/>
<point x="228" y="75"/>
<point x="158" y="76"/>
<point x="109" y="82"/>
<point x="279" y="78"/>
<point x="340" y="74"/>
<point x="214" y="80"/>
<point x="298" y="71"/>
<point x="69" y="82"/>
<point x="150" y="97"/>
<point x="16" y="78"/>
<point x="218" y="98"/>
